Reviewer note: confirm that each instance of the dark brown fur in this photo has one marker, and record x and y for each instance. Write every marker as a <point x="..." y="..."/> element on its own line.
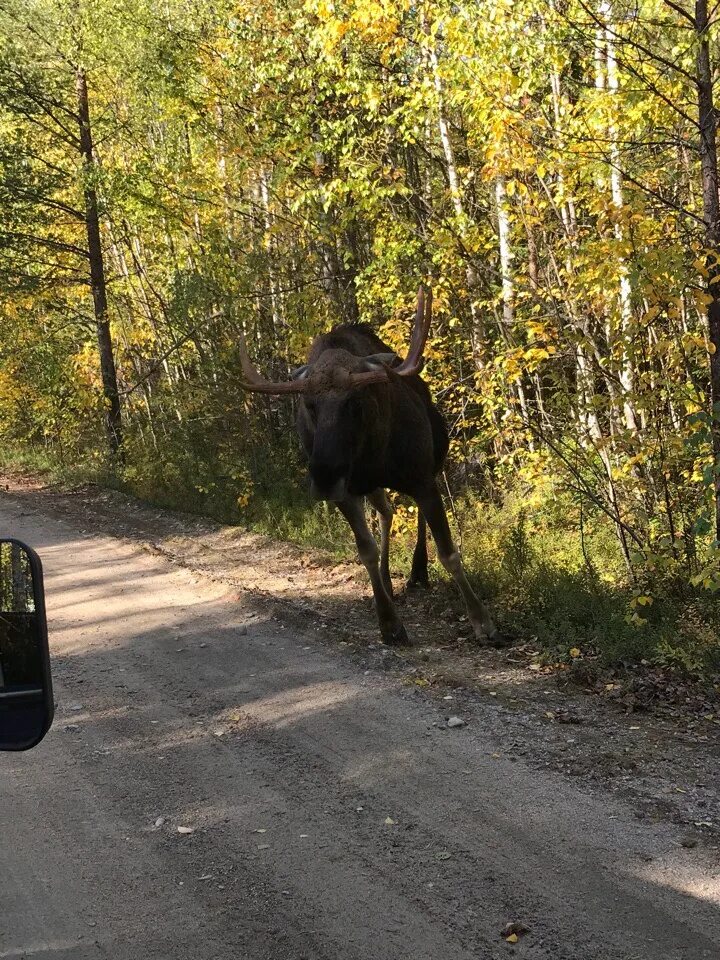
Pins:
<point x="360" y="440"/>
<point x="384" y="435"/>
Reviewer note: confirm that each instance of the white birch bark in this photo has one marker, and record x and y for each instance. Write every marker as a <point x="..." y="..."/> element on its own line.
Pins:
<point x="478" y="333"/>
<point x="508" y="286"/>
<point x="606" y="57"/>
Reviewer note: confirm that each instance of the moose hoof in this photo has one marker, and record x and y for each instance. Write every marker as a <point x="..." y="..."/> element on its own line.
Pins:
<point x="418" y="583"/>
<point x="492" y="638"/>
<point x="395" y="636"/>
<point x="497" y="639"/>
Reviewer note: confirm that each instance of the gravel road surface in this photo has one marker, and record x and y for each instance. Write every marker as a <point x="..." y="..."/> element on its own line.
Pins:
<point x="219" y="785"/>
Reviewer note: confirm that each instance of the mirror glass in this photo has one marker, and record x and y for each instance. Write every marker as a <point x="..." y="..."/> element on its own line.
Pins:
<point x="26" y="704"/>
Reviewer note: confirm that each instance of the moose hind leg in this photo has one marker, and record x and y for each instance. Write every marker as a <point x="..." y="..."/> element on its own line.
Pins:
<point x="378" y="499"/>
<point x="430" y="502"/>
<point x="391" y="627"/>
<point x="419" y="570"/>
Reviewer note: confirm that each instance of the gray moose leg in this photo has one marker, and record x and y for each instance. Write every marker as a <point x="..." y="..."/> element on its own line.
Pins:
<point x="430" y="502"/>
<point x="379" y="500"/>
<point x="391" y="627"/>
<point x="419" y="570"/>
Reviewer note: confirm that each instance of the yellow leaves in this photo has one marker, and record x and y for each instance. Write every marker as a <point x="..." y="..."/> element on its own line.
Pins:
<point x="538" y="330"/>
<point x="514" y="363"/>
<point x="375" y="21"/>
<point x="325" y="9"/>
<point x="650" y="314"/>
<point x="513" y="931"/>
<point x="690" y="340"/>
<point x="663" y="346"/>
<point x="516" y="186"/>
<point x="511" y="364"/>
<point x="575" y="652"/>
<point x="702" y="298"/>
<point x="534" y="355"/>
<point x="85" y="365"/>
<point x="373" y="101"/>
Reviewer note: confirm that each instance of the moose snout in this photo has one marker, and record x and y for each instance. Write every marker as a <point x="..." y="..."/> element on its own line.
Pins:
<point x="328" y="482"/>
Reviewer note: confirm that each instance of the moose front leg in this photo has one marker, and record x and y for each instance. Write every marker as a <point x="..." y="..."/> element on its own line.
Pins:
<point x="391" y="627"/>
<point x="378" y="499"/>
<point x="430" y="503"/>
<point x="419" y="569"/>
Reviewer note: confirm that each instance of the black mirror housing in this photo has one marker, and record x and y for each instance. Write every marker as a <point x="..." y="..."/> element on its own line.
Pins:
<point x="26" y="695"/>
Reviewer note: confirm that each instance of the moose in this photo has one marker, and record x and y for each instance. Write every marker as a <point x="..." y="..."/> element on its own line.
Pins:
<point x="367" y="423"/>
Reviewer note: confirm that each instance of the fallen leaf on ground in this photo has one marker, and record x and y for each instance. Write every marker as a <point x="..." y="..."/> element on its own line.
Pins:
<point x="514" y="930"/>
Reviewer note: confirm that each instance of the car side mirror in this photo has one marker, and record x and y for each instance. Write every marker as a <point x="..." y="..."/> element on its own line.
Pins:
<point x="26" y="697"/>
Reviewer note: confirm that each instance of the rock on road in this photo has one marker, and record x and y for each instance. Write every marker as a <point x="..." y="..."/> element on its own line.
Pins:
<point x="324" y="815"/>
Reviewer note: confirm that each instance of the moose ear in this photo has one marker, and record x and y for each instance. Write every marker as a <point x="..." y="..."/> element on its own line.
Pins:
<point x="300" y="373"/>
<point x="376" y="360"/>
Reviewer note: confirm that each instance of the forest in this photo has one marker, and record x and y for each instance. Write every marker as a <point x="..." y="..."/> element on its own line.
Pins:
<point x="175" y="174"/>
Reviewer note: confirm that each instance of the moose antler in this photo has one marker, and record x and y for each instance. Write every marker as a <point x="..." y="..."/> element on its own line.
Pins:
<point x="253" y="381"/>
<point x="412" y="364"/>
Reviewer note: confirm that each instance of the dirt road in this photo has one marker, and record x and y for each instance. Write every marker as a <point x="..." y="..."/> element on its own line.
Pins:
<point x="328" y="811"/>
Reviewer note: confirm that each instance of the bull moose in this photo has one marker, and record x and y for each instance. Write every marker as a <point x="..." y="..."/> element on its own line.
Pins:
<point x="368" y="423"/>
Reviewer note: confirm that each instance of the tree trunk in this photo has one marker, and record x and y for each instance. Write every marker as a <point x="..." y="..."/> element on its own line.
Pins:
<point x="113" y="422"/>
<point x="508" y="288"/>
<point x="264" y="196"/>
<point x="471" y="277"/>
<point x="711" y="212"/>
<point x="605" y="57"/>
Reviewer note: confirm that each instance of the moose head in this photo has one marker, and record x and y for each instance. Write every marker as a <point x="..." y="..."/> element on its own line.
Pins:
<point x="345" y="420"/>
